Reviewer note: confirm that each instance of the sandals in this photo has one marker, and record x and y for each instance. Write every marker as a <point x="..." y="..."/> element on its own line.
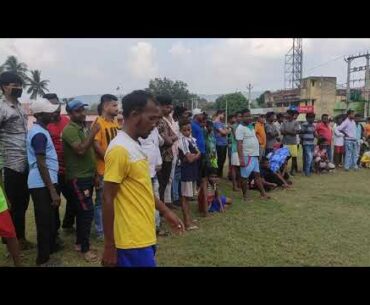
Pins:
<point x="192" y="228"/>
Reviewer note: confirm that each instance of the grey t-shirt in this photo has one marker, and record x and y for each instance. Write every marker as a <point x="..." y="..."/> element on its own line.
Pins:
<point x="272" y="134"/>
<point x="291" y="127"/>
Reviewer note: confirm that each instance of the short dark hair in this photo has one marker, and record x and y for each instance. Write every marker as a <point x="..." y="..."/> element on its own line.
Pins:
<point x="178" y="111"/>
<point x="100" y="108"/>
<point x="246" y="110"/>
<point x="290" y="112"/>
<point x="269" y="114"/>
<point x="262" y="116"/>
<point x="368" y="119"/>
<point x="280" y="115"/>
<point x="264" y="159"/>
<point x="107" y="98"/>
<point x="238" y="112"/>
<point x="230" y="116"/>
<point x="209" y="123"/>
<point x="184" y="122"/>
<point x="164" y="100"/>
<point x="219" y="111"/>
<point x="136" y="101"/>
<point x="7" y="78"/>
<point x="324" y="115"/>
<point x="310" y="115"/>
<point x="358" y="115"/>
<point x="350" y="111"/>
<point x="50" y="96"/>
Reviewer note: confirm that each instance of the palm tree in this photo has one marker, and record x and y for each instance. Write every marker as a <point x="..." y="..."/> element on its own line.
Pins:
<point x="12" y="64"/>
<point x="37" y="87"/>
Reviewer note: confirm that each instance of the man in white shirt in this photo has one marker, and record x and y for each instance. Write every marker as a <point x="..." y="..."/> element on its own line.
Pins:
<point x="248" y="152"/>
<point x="348" y="129"/>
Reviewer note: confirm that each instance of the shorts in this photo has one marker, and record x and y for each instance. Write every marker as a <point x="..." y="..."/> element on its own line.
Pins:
<point x="293" y="150"/>
<point x="235" y="159"/>
<point x="339" y="149"/>
<point x="252" y="165"/>
<point x="7" y="229"/>
<point x="215" y="206"/>
<point x="187" y="188"/>
<point x="141" y="257"/>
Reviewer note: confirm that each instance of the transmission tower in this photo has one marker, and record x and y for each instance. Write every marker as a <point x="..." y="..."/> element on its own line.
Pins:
<point x="294" y="65"/>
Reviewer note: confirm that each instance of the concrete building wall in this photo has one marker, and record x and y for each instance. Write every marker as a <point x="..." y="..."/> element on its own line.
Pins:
<point x="323" y="91"/>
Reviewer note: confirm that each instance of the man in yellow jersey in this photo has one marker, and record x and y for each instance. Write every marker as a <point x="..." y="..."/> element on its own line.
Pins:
<point x="129" y="203"/>
<point x="108" y="131"/>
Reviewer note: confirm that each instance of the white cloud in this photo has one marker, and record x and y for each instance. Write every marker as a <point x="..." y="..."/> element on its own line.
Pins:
<point x="37" y="53"/>
<point x="142" y="61"/>
<point x="179" y="50"/>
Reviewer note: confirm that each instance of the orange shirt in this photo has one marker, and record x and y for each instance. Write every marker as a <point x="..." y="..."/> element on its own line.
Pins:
<point x="367" y="130"/>
<point x="108" y="131"/>
<point x="261" y="134"/>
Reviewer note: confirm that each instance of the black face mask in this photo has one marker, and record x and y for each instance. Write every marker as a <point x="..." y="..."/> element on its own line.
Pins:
<point x="16" y="92"/>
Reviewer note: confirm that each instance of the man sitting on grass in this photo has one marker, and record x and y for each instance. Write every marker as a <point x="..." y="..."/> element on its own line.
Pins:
<point x="272" y="179"/>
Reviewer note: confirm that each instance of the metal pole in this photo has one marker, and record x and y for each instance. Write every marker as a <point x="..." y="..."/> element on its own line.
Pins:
<point x="367" y="86"/>
<point x="348" y="93"/>
<point x="225" y="111"/>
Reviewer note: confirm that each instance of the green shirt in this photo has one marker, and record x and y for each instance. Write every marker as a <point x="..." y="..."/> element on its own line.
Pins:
<point x="77" y="166"/>
<point x="3" y="205"/>
<point x="234" y="143"/>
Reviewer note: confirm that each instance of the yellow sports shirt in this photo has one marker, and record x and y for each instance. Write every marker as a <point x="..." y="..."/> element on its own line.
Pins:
<point x="134" y="206"/>
<point x="108" y="131"/>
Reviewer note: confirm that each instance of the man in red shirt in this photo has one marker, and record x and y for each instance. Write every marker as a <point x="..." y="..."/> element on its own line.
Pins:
<point x="325" y="132"/>
<point x="55" y="129"/>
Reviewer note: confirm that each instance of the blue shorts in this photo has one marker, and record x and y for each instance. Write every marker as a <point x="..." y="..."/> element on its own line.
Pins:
<point x="141" y="257"/>
<point x="251" y="165"/>
<point x="215" y="206"/>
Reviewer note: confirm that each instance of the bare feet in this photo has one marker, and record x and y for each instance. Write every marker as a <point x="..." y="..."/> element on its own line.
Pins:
<point x="90" y="256"/>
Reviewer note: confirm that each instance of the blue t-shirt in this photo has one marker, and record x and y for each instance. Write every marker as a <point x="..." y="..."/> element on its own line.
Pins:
<point x="198" y="134"/>
<point x="39" y="142"/>
<point x="220" y="140"/>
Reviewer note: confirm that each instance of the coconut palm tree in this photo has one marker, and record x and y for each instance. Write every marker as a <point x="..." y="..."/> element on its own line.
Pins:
<point x="36" y="86"/>
<point x="12" y="64"/>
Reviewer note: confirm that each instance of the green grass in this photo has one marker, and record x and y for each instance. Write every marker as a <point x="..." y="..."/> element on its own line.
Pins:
<point x="323" y="221"/>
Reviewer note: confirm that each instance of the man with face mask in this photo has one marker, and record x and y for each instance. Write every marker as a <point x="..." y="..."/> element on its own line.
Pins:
<point x="13" y="131"/>
<point x="43" y="179"/>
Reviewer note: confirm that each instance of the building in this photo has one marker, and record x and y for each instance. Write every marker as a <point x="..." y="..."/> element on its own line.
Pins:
<point x="317" y="94"/>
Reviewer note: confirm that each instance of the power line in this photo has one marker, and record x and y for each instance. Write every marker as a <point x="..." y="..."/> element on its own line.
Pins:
<point x="325" y="63"/>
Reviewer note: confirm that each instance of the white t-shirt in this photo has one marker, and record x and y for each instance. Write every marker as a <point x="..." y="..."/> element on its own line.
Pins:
<point x="250" y="141"/>
<point x="150" y="146"/>
<point x="338" y="136"/>
<point x="183" y="143"/>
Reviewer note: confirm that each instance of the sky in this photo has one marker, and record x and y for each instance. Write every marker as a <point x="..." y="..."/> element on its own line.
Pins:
<point x="209" y="66"/>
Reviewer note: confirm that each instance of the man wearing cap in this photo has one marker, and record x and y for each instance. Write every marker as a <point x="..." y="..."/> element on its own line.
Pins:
<point x="79" y="158"/>
<point x="197" y="129"/>
<point x="43" y="179"/>
<point x="13" y="131"/>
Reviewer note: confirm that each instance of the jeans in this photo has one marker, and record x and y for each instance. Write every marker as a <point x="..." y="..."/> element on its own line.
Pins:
<point x="308" y="151"/>
<point x="16" y="189"/>
<point x="176" y="184"/>
<point x="45" y="218"/>
<point x="350" y="157"/>
<point x="221" y="157"/>
<point x="329" y="152"/>
<point x="82" y="190"/>
<point x="98" y="214"/>
<point x="70" y="213"/>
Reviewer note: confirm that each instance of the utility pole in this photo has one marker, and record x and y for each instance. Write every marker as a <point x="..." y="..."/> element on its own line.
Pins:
<point x="348" y="91"/>
<point x="249" y="95"/>
<point x="367" y="86"/>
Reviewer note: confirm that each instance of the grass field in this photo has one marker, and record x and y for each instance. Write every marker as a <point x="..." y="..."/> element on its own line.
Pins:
<point x="322" y="221"/>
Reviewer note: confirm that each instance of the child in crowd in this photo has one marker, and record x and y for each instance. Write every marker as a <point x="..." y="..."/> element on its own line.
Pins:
<point x="215" y="201"/>
<point x="338" y="143"/>
<point x="211" y="145"/>
<point x="321" y="158"/>
<point x="273" y="179"/>
<point x="188" y="155"/>
<point x="7" y="230"/>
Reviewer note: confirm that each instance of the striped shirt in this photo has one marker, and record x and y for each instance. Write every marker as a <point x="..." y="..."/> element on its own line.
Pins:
<point x="307" y="134"/>
<point x="13" y="132"/>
